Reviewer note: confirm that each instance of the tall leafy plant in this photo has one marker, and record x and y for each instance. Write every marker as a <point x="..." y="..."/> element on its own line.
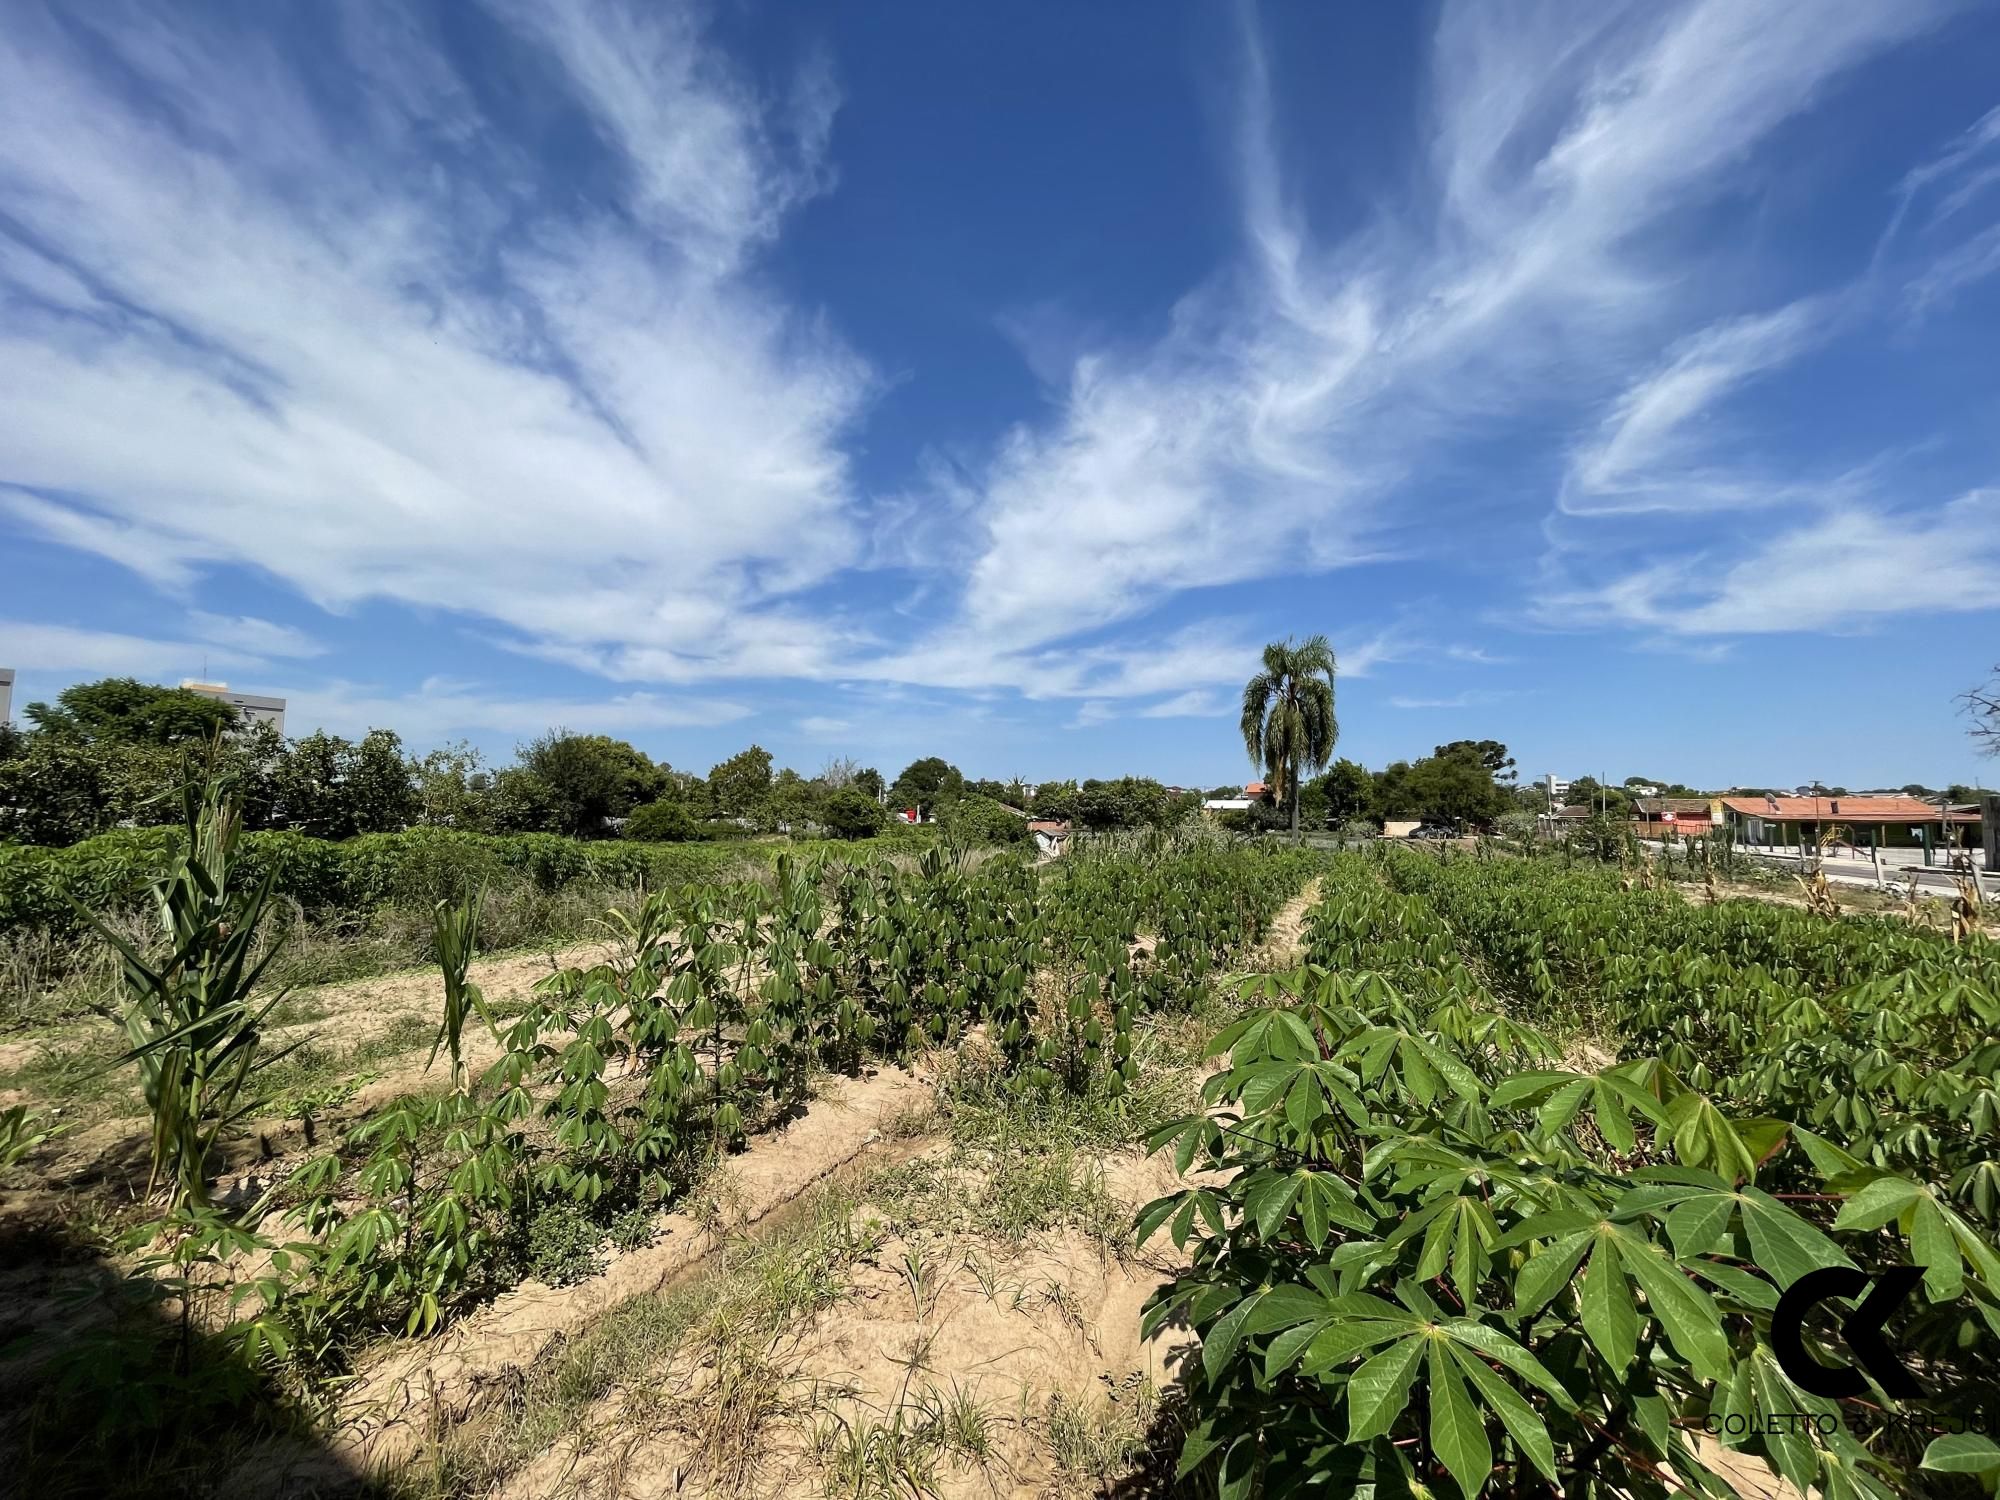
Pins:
<point x="193" y="1016"/>
<point x="1416" y="1272"/>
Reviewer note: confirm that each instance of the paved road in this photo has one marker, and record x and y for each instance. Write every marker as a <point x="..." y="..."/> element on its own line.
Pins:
<point x="1859" y="869"/>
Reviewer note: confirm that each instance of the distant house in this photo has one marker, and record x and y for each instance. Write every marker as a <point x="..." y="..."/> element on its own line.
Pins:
<point x="1252" y="795"/>
<point x="1873" y="822"/>
<point x="1671" y="817"/>
<point x="1052" y="835"/>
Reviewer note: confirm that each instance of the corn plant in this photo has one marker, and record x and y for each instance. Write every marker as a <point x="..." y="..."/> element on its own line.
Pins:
<point x="194" y="1018"/>
<point x="455" y="934"/>
<point x="21" y="1131"/>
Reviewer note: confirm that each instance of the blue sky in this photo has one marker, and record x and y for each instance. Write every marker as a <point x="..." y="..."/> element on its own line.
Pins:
<point x="992" y="382"/>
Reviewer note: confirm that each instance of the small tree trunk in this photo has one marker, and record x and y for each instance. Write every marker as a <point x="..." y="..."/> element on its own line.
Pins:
<point x="1292" y="789"/>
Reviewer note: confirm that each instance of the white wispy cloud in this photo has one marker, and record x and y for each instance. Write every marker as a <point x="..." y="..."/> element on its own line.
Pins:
<point x="1290" y="396"/>
<point x="1470" y="698"/>
<point x="1643" y="457"/>
<point x="1196" y="703"/>
<point x="441" y="709"/>
<point x="254" y="637"/>
<point x="821" y="725"/>
<point x="1838" y="569"/>
<point x="258" y="335"/>
<point x="385" y="355"/>
<point x="1957" y="175"/>
<point x="64" y="651"/>
<point x="1974" y="260"/>
<point x="1948" y="184"/>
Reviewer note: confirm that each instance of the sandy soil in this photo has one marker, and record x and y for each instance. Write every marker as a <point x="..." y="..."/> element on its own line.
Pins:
<point x="396" y="1402"/>
<point x="1029" y="1334"/>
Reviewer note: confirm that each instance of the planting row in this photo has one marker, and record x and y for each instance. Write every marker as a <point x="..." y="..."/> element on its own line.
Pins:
<point x="52" y="888"/>
<point x="1442" y="1262"/>
<point x="584" y="1115"/>
<point x="1869" y="1030"/>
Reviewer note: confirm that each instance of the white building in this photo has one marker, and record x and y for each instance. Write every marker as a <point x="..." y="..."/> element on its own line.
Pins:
<point x="249" y="708"/>
<point x="6" y="695"/>
<point x="1558" y="789"/>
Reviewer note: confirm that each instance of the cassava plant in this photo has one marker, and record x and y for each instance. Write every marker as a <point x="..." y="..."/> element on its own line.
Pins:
<point x="1415" y="1272"/>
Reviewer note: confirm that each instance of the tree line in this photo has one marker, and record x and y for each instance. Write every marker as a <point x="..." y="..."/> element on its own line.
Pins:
<point x="109" y="753"/>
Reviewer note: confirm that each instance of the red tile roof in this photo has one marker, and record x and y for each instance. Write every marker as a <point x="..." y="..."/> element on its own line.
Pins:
<point x="1255" y="789"/>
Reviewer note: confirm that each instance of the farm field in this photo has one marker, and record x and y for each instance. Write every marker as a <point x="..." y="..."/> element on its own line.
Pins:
<point x="1184" y="1164"/>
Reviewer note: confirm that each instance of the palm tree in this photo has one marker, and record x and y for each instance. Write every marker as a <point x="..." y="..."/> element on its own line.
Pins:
<point x="1288" y="722"/>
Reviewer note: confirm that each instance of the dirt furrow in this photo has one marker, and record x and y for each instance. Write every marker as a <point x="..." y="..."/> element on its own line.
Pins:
<point x="393" y="1405"/>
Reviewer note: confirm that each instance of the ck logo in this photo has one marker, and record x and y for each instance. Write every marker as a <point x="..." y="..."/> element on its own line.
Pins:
<point x="1861" y="1330"/>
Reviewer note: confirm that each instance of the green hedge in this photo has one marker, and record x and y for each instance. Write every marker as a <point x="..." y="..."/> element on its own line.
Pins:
<point x="415" y="868"/>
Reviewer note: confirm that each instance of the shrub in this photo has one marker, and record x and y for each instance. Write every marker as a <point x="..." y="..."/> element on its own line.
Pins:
<point x="662" y="823"/>
<point x="851" y="814"/>
<point x="981" y="820"/>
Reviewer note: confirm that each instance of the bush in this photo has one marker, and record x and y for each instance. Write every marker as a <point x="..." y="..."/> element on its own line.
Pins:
<point x="851" y="814"/>
<point x="662" y="823"/>
<point x="981" y="820"/>
<point x="412" y="870"/>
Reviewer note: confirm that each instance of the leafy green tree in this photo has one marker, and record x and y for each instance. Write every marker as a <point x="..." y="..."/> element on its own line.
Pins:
<point x="453" y="789"/>
<point x="521" y="802"/>
<point x="379" y="787"/>
<point x="309" y="794"/>
<point x="1314" y="809"/>
<point x="1392" y="797"/>
<point x="925" y="783"/>
<point x="1588" y="791"/>
<point x="868" y="781"/>
<point x="791" y="804"/>
<point x="1669" y="788"/>
<point x="1455" y="788"/>
<point x="123" y="710"/>
<point x="738" y="786"/>
<point x="1056" y="800"/>
<point x="1348" y="789"/>
<point x="975" y="820"/>
<point x="663" y="823"/>
<point x="1288" y="719"/>
<point x="1489" y="753"/>
<point x="592" y="778"/>
<point x="1128" y="802"/>
<point x="850" y="813"/>
<point x="54" y="792"/>
<point x="331" y="788"/>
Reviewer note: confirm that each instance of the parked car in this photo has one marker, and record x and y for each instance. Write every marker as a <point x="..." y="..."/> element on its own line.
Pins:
<point x="1435" y="831"/>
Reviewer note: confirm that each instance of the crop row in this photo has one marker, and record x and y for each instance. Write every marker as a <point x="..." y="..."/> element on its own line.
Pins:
<point x="1434" y="1258"/>
<point x="50" y="887"/>
<point x="1871" y="1030"/>
<point x="599" y="1103"/>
